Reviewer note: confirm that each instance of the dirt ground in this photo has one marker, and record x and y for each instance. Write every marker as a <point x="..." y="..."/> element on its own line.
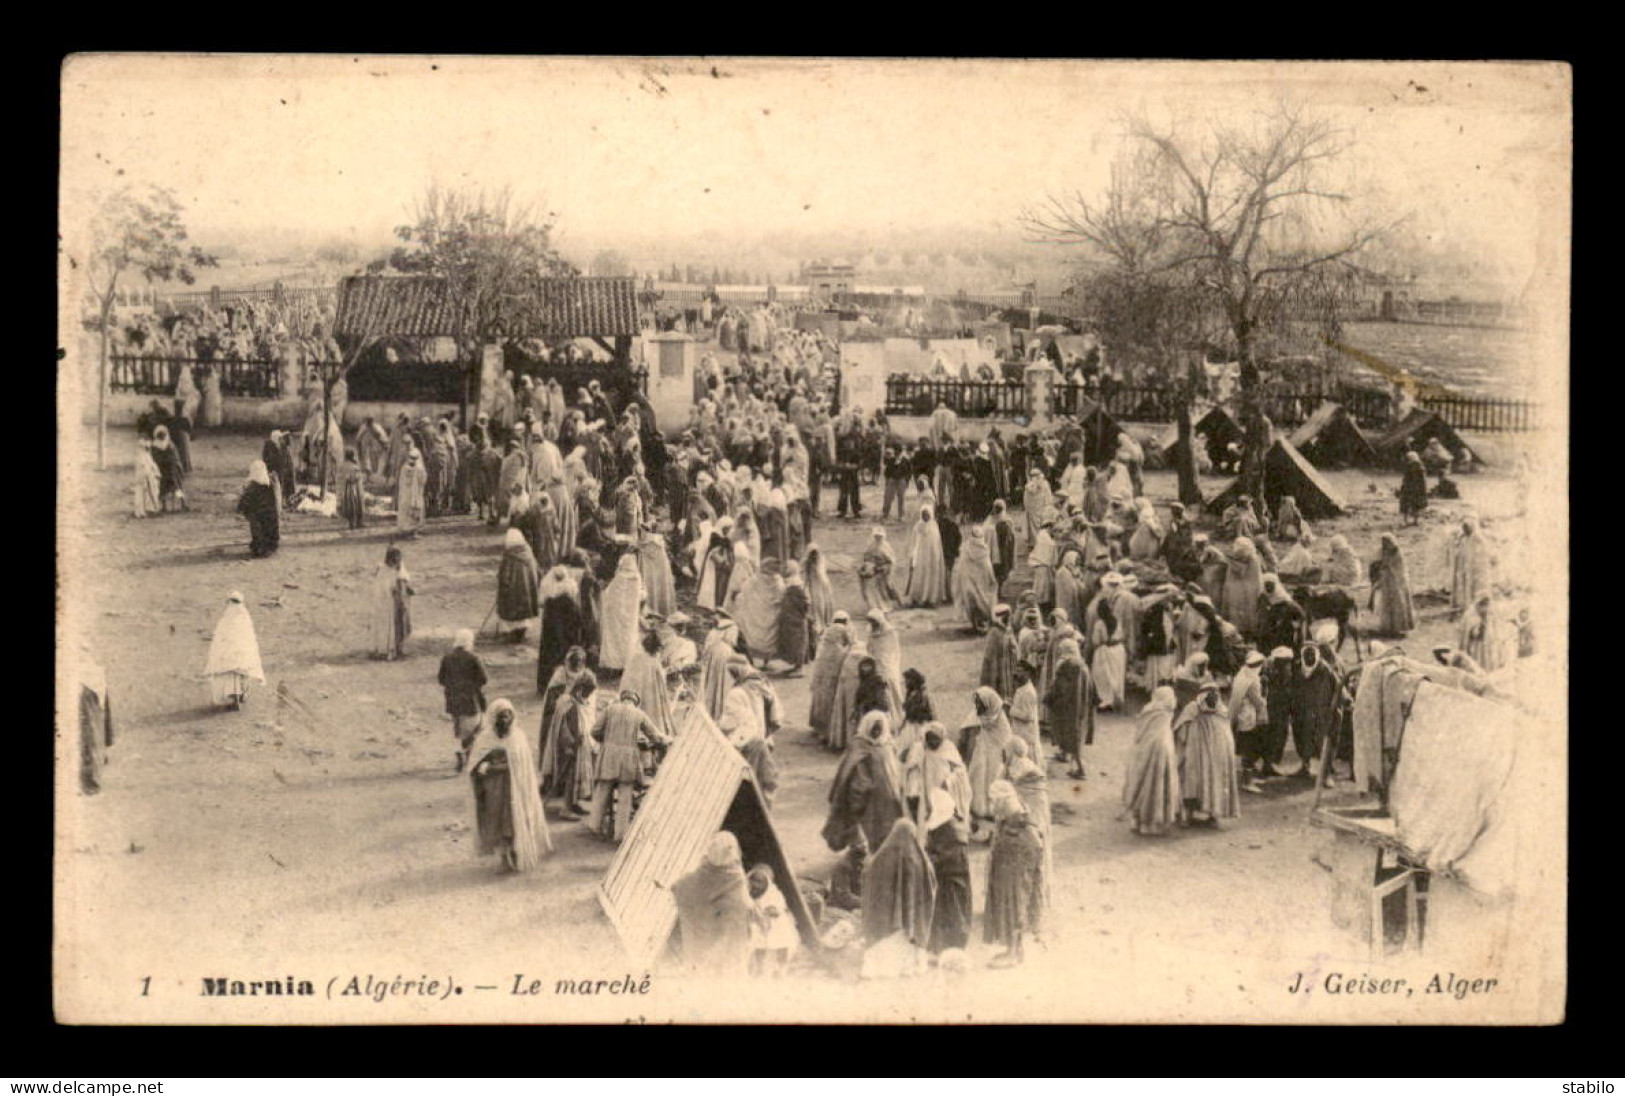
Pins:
<point x="261" y="844"/>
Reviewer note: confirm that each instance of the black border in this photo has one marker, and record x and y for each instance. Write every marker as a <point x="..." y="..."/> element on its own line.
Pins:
<point x="43" y="1049"/>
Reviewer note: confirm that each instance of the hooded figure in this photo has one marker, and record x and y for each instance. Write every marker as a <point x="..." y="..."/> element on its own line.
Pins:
<point x="1109" y="660"/>
<point x="990" y="755"/>
<point x="720" y="652"/>
<point x="1037" y="504"/>
<point x="757" y="610"/>
<point x="410" y="485"/>
<point x="715" y="571"/>
<point x="1069" y="702"/>
<point x="866" y="794"/>
<point x="833" y="646"/>
<point x="945" y="847"/>
<point x="999" y="654"/>
<point x="976" y="590"/>
<point x="1151" y="792"/>
<point x="820" y="595"/>
<point x="795" y="619"/>
<point x="623" y="610"/>
<point x="926" y="579"/>
<point x="1469" y="566"/>
<point x="1480" y="635"/>
<point x="147" y="479"/>
<point x="646" y="676"/>
<point x="885" y="646"/>
<point x="1145" y="543"/>
<point x="1207" y="759"/>
<point x="1391" y="591"/>
<point x="507" y="798"/>
<point x="1282" y="620"/>
<point x="655" y="567"/>
<point x="234" y="655"/>
<point x="714" y="911"/>
<point x="1032" y="785"/>
<point x="1344" y="568"/>
<point x="899" y="888"/>
<point x="843" y="715"/>
<point x="518" y="582"/>
<point x="1015" y="876"/>
<point x="1413" y="488"/>
<point x="739" y="576"/>
<point x="1315" y="704"/>
<point x="1243" y="582"/>
<point x="258" y="504"/>
<point x="561" y="626"/>
<point x="390" y="612"/>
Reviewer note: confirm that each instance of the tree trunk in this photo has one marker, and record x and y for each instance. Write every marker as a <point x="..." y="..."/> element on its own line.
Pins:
<point x="1255" y="426"/>
<point x="1190" y="494"/>
<point x="101" y="391"/>
<point x="327" y="411"/>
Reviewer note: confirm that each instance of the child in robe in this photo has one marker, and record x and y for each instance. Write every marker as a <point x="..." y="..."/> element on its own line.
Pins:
<point x="773" y="937"/>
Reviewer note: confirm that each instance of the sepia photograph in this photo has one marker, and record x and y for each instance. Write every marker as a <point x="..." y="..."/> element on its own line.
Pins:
<point x="811" y="540"/>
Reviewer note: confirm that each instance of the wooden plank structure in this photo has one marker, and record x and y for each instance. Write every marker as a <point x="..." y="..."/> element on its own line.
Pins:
<point x="704" y="786"/>
<point x="1330" y="438"/>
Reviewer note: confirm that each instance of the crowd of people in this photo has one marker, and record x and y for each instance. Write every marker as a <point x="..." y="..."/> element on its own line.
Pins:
<point x="1231" y="639"/>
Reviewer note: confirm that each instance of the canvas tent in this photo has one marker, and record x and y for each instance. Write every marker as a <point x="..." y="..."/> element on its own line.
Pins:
<point x="1101" y="431"/>
<point x="704" y="786"/>
<point x="1330" y="438"/>
<point x="1221" y="429"/>
<point x="1414" y="431"/>
<point x="1286" y="472"/>
<point x="1447" y="823"/>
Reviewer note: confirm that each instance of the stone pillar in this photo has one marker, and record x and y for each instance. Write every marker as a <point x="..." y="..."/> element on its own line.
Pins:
<point x="1040" y="378"/>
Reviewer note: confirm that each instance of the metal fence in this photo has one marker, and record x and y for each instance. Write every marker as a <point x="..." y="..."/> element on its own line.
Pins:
<point x="1486" y="415"/>
<point x="146" y="375"/>
<point x="1372" y="410"/>
<point x="910" y="395"/>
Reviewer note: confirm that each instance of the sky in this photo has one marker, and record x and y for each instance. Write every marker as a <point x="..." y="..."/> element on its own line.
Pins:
<point x="736" y="148"/>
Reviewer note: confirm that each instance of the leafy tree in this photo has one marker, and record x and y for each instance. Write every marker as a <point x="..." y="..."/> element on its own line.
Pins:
<point x="492" y="255"/>
<point x="138" y="233"/>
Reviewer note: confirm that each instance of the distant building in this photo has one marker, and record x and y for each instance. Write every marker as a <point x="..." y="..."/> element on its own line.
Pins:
<point x="830" y="281"/>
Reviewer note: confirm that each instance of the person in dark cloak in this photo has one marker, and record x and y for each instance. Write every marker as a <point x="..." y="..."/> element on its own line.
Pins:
<point x="945" y="846"/>
<point x="999" y="655"/>
<point x="1003" y="544"/>
<point x="795" y="620"/>
<point x="562" y="623"/>
<point x="1314" y="708"/>
<point x="983" y="489"/>
<point x="1070" y="704"/>
<point x="899" y="888"/>
<point x="1413" y="490"/>
<point x="462" y="679"/>
<point x="866" y="795"/>
<point x="279" y="462"/>
<point x="566" y="751"/>
<point x="1014" y="878"/>
<point x="951" y="538"/>
<point x="1178" y="547"/>
<point x="1281" y="619"/>
<point x="1280" y="692"/>
<point x="258" y="505"/>
<point x="180" y="432"/>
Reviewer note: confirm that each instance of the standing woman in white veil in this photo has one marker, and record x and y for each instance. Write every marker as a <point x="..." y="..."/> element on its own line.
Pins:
<point x="509" y="813"/>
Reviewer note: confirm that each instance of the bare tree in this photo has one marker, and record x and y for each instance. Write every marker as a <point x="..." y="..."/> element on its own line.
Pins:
<point x="139" y="233"/>
<point x="1245" y="212"/>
